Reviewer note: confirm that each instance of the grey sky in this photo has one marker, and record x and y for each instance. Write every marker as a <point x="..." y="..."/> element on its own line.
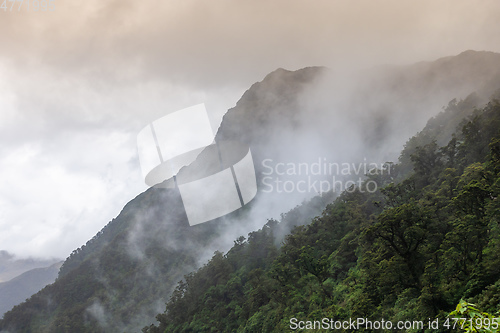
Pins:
<point x="79" y="83"/>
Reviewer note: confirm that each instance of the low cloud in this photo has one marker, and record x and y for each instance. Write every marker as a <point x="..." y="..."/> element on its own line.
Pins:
<point x="78" y="84"/>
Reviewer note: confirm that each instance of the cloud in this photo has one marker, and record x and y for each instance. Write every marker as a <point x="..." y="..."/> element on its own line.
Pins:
<point x="78" y="84"/>
<point x="225" y="42"/>
<point x="68" y="155"/>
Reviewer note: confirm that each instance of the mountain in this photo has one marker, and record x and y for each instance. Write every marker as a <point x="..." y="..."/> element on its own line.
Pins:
<point x="18" y="289"/>
<point x="10" y="266"/>
<point x="122" y="277"/>
<point x="406" y="254"/>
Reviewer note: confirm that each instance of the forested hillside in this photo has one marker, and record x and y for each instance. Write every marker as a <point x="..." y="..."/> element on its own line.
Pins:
<point x="410" y="251"/>
<point x="119" y="280"/>
<point x="18" y="289"/>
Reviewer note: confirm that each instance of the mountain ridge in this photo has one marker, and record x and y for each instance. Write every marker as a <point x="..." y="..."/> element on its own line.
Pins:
<point x="121" y="277"/>
<point x="21" y="287"/>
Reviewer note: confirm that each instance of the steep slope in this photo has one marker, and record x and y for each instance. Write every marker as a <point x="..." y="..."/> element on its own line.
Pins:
<point x="404" y="254"/>
<point x="10" y="266"/>
<point x="124" y="274"/>
<point x="121" y="278"/>
<point x="21" y="287"/>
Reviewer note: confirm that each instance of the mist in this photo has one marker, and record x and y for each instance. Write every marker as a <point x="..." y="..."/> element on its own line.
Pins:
<point x="79" y="83"/>
<point x="352" y="122"/>
<point x="300" y="83"/>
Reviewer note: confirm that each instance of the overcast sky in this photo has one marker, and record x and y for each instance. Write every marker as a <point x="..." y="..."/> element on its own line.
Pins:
<point x="79" y="83"/>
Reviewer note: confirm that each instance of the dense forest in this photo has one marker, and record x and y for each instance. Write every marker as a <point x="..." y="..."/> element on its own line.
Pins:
<point x="119" y="280"/>
<point x="410" y="251"/>
<point x="368" y="253"/>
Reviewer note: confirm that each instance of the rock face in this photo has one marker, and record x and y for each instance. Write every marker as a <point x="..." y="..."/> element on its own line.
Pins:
<point x="122" y="277"/>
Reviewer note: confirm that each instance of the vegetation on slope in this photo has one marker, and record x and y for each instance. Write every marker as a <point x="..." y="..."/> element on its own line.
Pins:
<point x="411" y="251"/>
<point x="121" y="278"/>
